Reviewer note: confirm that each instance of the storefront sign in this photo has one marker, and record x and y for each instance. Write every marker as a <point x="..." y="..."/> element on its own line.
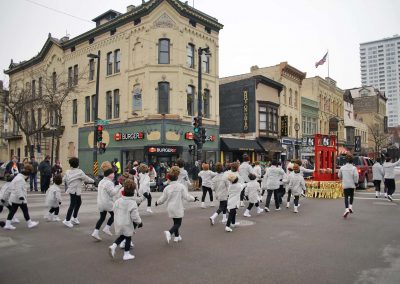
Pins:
<point x="245" y="111"/>
<point x="333" y="124"/>
<point x="166" y="150"/>
<point x="128" y="136"/>
<point x="284" y="125"/>
<point x="308" y="141"/>
<point x="190" y="136"/>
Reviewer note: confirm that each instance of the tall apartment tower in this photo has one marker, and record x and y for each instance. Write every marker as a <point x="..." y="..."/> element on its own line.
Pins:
<point x="380" y="67"/>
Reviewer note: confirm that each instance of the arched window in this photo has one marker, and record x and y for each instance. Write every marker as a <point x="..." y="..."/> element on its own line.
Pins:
<point x="163" y="97"/>
<point x="290" y="97"/>
<point x="190" y="56"/>
<point x="190" y="100"/>
<point x="206" y="103"/>
<point x="163" y="51"/>
<point x="296" y="97"/>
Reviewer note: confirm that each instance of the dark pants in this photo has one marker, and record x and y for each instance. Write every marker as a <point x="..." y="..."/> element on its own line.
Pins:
<point x="54" y="210"/>
<point x="391" y="186"/>
<point x="289" y="194"/>
<point x="33" y="182"/>
<point x="127" y="241"/>
<point x="14" y="208"/>
<point x="103" y="215"/>
<point x="205" y="190"/>
<point x="296" y="200"/>
<point x="269" y="195"/>
<point x="175" y="228"/>
<point x="348" y="194"/>
<point x="251" y="205"/>
<point x="44" y="183"/>
<point x="242" y="195"/>
<point x="281" y="193"/>
<point x="377" y="184"/>
<point x="148" y="197"/>
<point x="74" y="206"/>
<point x="222" y="207"/>
<point x="8" y="206"/>
<point x="231" y="217"/>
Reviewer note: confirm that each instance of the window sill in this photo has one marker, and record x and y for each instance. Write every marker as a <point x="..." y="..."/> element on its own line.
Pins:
<point x="113" y="75"/>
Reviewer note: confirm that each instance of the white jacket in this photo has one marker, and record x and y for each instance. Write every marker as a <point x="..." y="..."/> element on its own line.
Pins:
<point x="74" y="178"/>
<point x="388" y="168"/>
<point x="183" y="178"/>
<point x="18" y="190"/>
<point x="174" y="194"/>
<point x="53" y="196"/>
<point x="377" y="171"/>
<point x="296" y="183"/>
<point x="349" y="176"/>
<point x="240" y="179"/>
<point x="273" y="178"/>
<point x="125" y="213"/>
<point x="220" y="185"/>
<point x="252" y="191"/>
<point x="144" y="183"/>
<point x="5" y="193"/>
<point x="244" y="170"/>
<point x="105" y="193"/>
<point x="234" y="195"/>
<point x="257" y="171"/>
<point x="206" y="178"/>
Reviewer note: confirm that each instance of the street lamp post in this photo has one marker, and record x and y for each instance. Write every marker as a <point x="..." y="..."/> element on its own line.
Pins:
<point x="297" y="128"/>
<point x="96" y="107"/>
<point x="53" y="130"/>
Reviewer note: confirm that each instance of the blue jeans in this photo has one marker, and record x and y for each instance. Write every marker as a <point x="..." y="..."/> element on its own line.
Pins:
<point x="33" y="181"/>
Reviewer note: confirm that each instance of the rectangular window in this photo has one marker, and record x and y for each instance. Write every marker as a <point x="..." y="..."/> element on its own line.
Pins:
<point x="108" y="105"/>
<point x="163" y="97"/>
<point x="163" y="51"/>
<point x="206" y="103"/>
<point x="117" y="61"/>
<point x="75" y="111"/>
<point x="87" y="109"/>
<point x="116" y="103"/>
<point x="33" y="88"/>
<point x="263" y="118"/>
<point x="109" y="63"/>
<point x="40" y="87"/>
<point x="190" y="100"/>
<point x="54" y="80"/>
<point x="76" y="74"/>
<point x="70" y="77"/>
<point x="94" y="108"/>
<point x="91" y="69"/>
<point x="205" y="67"/>
<point x="190" y="56"/>
<point x="39" y="114"/>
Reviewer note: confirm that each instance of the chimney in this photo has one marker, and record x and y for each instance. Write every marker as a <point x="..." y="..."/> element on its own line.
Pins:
<point x="130" y="8"/>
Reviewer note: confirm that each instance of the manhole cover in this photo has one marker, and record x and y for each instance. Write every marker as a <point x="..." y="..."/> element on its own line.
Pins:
<point x="243" y="223"/>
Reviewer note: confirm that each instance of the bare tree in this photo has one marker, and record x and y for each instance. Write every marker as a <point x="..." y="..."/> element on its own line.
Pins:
<point x="379" y="137"/>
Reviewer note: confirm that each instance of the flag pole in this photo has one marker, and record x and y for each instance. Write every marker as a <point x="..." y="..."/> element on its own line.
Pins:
<point x="328" y="61"/>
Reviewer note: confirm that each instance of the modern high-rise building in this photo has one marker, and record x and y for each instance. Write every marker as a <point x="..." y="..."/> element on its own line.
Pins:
<point x="380" y="67"/>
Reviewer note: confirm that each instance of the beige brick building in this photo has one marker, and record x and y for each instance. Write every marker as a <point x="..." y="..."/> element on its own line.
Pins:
<point x="147" y="86"/>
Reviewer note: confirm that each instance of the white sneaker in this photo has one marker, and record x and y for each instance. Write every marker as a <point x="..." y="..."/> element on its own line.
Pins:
<point x="241" y="204"/>
<point x="177" y="239"/>
<point x="8" y="225"/>
<point x="287" y="204"/>
<point x="15" y="220"/>
<point x="227" y="229"/>
<point x="235" y="225"/>
<point x="75" y="221"/>
<point x="212" y="221"/>
<point x="122" y="245"/>
<point x="95" y="235"/>
<point x="224" y="219"/>
<point x="351" y="209"/>
<point x="212" y="204"/>
<point x="390" y="198"/>
<point x="266" y="209"/>
<point x="48" y="216"/>
<point x="246" y="213"/>
<point x="277" y="209"/>
<point x="56" y="219"/>
<point x="346" y="212"/>
<point x="111" y="250"/>
<point x="203" y="205"/>
<point x="259" y="210"/>
<point x="128" y="256"/>
<point x="107" y="231"/>
<point x="149" y="210"/>
<point x="295" y="210"/>
<point x="167" y="235"/>
<point x="32" y="224"/>
<point x="68" y="224"/>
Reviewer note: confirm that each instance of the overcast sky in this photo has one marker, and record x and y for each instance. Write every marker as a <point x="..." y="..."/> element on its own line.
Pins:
<point x="256" y="32"/>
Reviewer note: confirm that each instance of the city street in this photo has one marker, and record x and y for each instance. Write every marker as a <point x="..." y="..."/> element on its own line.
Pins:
<point x="315" y="246"/>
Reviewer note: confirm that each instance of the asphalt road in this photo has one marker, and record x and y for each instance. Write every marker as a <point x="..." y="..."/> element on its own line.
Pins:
<point x="315" y="246"/>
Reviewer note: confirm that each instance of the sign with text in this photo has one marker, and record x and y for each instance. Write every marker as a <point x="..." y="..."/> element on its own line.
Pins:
<point x="284" y="125"/>
<point x="128" y="136"/>
<point x="245" y="110"/>
<point x="162" y="150"/>
<point x="190" y="136"/>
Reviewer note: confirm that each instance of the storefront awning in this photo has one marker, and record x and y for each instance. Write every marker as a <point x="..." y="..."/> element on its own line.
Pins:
<point x="271" y="146"/>
<point x="233" y="144"/>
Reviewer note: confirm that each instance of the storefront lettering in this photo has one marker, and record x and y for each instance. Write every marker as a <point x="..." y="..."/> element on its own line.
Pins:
<point x="245" y="111"/>
<point x="128" y="136"/>
<point x="162" y="150"/>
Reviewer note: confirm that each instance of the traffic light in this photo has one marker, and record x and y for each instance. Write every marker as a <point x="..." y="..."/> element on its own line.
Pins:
<point x="191" y="148"/>
<point x="196" y="130"/>
<point x="102" y="147"/>
<point x="203" y="135"/>
<point x="99" y="133"/>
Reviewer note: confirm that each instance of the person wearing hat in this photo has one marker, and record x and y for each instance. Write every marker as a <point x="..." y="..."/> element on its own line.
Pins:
<point x="18" y="198"/>
<point x="105" y="193"/>
<point x="296" y="186"/>
<point x="234" y="192"/>
<point x="349" y="176"/>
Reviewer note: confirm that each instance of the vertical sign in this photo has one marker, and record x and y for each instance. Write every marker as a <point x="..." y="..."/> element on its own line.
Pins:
<point x="245" y="111"/>
<point x="357" y="143"/>
<point x="385" y="124"/>
<point x="284" y="125"/>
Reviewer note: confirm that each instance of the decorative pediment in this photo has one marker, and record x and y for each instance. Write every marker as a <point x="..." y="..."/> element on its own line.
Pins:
<point x="164" y="21"/>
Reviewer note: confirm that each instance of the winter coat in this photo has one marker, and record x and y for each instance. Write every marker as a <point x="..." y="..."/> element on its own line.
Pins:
<point x="152" y="174"/>
<point x="349" y="176"/>
<point x="244" y="170"/>
<point x="220" y="185"/>
<point x="53" y="196"/>
<point x="57" y="169"/>
<point x="234" y="195"/>
<point x="105" y="193"/>
<point x="240" y="179"/>
<point x="125" y="213"/>
<point x="35" y="166"/>
<point x="5" y="193"/>
<point x="18" y="190"/>
<point x="174" y="194"/>
<point x="258" y="172"/>
<point x="252" y="191"/>
<point x="296" y="183"/>
<point x="388" y="168"/>
<point x="273" y="178"/>
<point x="377" y="171"/>
<point x="13" y="168"/>
<point x="144" y="183"/>
<point x="74" y="179"/>
<point x="183" y="178"/>
<point x="206" y="178"/>
<point x="45" y="168"/>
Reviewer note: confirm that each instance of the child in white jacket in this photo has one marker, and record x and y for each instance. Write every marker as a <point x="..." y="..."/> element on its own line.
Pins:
<point x="173" y="195"/>
<point x="296" y="185"/>
<point x="252" y="192"/>
<point x="220" y="185"/>
<point x="206" y="184"/>
<point x="105" y="193"/>
<point x="144" y="185"/>
<point x="53" y="199"/>
<point x="126" y="215"/>
<point x="233" y="201"/>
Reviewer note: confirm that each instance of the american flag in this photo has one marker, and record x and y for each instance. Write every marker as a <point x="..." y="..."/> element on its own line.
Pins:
<point x="322" y="61"/>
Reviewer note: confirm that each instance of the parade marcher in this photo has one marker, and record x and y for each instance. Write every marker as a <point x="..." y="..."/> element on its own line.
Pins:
<point x="206" y="184"/>
<point x="388" y="168"/>
<point x="377" y="176"/>
<point x="257" y="171"/>
<point x="303" y="171"/>
<point x="281" y="191"/>
<point x="220" y="185"/>
<point x="5" y="193"/>
<point x="126" y="215"/>
<point x="45" y="174"/>
<point x="296" y="186"/>
<point x="33" y="176"/>
<point x="57" y="168"/>
<point x="18" y="198"/>
<point x="244" y="170"/>
<point x="271" y="181"/>
<point x="13" y="167"/>
<point x="53" y="199"/>
<point x="349" y="176"/>
<point x="74" y="178"/>
<point x="183" y="176"/>
<point x="252" y="192"/>
<point x="286" y="181"/>
<point x="234" y="191"/>
<point x="105" y="193"/>
<point x="173" y="195"/>
<point x="144" y="185"/>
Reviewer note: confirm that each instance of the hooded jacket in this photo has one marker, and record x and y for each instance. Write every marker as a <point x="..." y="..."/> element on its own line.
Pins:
<point x="74" y="178"/>
<point x="252" y="190"/>
<point x="183" y="178"/>
<point x="234" y="195"/>
<point x="272" y="178"/>
<point x="206" y="178"/>
<point x="105" y="193"/>
<point x="144" y="183"/>
<point x="5" y="193"/>
<point x="349" y="176"/>
<point x="18" y="190"/>
<point x="377" y="171"/>
<point x="173" y="195"/>
<point x="220" y="185"/>
<point x="125" y="213"/>
<point x="296" y="183"/>
<point x="53" y="196"/>
<point x="388" y="168"/>
<point x="244" y="170"/>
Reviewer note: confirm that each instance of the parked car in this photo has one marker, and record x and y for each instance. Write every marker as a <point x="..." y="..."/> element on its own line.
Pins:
<point x="3" y="169"/>
<point x="364" y="168"/>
